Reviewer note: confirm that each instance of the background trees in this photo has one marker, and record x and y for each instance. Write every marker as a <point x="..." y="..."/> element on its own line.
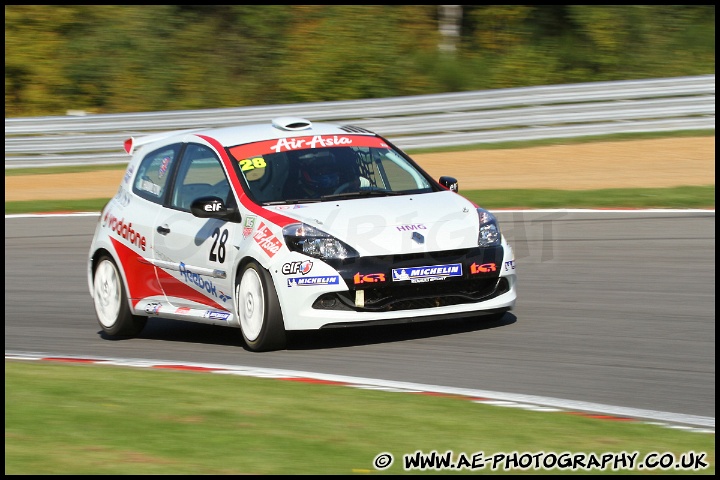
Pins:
<point x="137" y="58"/>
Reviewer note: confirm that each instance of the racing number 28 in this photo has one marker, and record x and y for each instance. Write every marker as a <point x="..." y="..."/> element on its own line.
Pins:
<point x="252" y="163"/>
<point x="218" y="245"/>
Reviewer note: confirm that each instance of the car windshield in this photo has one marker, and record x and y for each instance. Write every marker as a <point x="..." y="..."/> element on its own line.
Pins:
<point x="314" y="169"/>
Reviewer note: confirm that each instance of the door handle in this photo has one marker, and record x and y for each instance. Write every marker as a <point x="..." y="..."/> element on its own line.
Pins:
<point x="163" y="230"/>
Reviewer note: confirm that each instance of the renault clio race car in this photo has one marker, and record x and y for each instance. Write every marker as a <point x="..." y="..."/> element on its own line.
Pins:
<point x="290" y="225"/>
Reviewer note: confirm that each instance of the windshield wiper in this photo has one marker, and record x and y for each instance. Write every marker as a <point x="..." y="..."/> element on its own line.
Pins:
<point x="361" y="193"/>
<point x="293" y="201"/>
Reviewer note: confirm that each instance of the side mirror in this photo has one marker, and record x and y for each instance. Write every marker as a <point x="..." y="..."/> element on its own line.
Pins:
<point x="212" y="207"/>
<point x="450" y="183"/>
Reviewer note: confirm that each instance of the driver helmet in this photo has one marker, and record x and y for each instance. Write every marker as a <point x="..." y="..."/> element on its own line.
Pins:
<point x="320" y="172"/>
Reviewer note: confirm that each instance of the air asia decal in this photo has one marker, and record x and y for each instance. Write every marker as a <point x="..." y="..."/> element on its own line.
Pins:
<point x="302" y="143"/>
<point x="359" y="278"/>
<point x="249" y="224"/>
<point x="427" y="274"/>
<point x="124" y="230"/>
<point x="292" y="268"/>
<point x="484" y="268"/>
<point x="312" y="281"/>
<point x="267" y="240"/>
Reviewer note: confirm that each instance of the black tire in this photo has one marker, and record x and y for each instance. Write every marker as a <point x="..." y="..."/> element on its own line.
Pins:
<point x="258" y="310"/>
<point x="111" y="302"/>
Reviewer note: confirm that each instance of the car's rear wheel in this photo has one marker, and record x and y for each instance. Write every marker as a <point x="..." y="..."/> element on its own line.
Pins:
<point x="111" y="302"/>
<point x="258" y="310"/>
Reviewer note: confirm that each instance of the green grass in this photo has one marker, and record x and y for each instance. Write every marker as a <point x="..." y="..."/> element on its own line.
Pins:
<point x="677" y="197"/>
<point x="90" y="419"/>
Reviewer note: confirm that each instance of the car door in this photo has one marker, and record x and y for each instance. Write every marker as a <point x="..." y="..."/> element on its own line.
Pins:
<point x="133" y="217"/>
<point x="193" y="256"/>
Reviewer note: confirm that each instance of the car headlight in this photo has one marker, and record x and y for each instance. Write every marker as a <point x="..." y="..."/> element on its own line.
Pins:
<point x="489" y="235"/>
<point x="303" y="238"/>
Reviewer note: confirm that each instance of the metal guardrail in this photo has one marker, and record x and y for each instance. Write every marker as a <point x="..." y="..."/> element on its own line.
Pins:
<point x="411" y="122"/>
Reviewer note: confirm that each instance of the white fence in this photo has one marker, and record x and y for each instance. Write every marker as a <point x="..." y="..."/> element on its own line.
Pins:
<point x="411" y="122"/>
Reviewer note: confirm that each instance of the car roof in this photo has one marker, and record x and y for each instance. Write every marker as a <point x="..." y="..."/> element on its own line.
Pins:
<point x="277" y="128"/>
<point x="282" y="127"/>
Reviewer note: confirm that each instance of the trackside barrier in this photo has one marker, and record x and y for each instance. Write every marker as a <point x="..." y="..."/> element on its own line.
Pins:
<point x="411" y="122"/>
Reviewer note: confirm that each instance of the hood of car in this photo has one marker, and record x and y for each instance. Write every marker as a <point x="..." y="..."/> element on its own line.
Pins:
<point x="392" y="225"/>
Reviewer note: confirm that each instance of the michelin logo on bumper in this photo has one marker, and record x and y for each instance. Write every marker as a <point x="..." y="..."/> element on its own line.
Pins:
<point x="312" y="281"/>
<point x="427" y="274"/>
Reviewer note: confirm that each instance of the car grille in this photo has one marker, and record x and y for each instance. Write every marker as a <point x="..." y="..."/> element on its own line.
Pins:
<point x="416" y="296"/>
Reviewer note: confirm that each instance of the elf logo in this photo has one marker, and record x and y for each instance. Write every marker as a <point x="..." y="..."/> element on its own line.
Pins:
<point x="292" y="268"/>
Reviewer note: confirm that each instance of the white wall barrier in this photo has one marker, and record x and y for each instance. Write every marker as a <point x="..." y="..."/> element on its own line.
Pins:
<point x="411" y="122"/>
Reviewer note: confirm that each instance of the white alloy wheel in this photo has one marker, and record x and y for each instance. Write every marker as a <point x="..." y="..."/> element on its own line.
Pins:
<point x="111" y="302"/>
<point x="107" y="293"/>
<point x="258" y="309"/>
<point x="250" y="304"/>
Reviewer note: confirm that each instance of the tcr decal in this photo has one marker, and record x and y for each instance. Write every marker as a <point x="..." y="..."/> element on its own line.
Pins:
<point x="359" y="278"/>
<point x="484" y="268"/>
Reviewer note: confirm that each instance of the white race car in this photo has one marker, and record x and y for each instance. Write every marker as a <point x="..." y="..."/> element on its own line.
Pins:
<point x="290" y="225"/>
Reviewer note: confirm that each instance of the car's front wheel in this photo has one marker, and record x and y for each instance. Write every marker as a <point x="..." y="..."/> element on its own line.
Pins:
<point x="111" y="303"/>
<point x="258" y="309"/>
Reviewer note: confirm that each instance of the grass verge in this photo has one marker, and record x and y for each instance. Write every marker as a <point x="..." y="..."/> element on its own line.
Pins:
<point x="89" y="419"/>
<point x="677" y="197"/>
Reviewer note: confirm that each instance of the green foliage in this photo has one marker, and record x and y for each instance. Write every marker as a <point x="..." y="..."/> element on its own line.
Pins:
<point x="139" y="58"/>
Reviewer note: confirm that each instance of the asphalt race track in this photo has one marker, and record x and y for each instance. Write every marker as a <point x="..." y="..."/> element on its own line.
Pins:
<point x="616" y="308"/>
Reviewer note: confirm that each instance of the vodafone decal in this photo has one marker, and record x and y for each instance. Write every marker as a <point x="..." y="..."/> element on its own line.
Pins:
<point x="124" y="230"/>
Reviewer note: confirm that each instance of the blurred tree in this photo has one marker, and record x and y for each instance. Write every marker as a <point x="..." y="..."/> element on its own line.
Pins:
<point x="137" y="58"/>
<point x="352" y="52"/>
<point x="33" y="45"/>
